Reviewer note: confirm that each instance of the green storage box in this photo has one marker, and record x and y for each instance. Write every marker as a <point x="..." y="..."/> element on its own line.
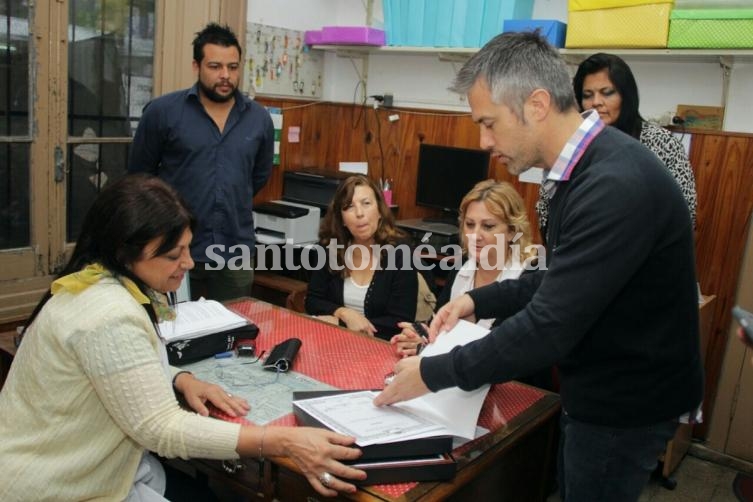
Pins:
<point x="711" y="29"/>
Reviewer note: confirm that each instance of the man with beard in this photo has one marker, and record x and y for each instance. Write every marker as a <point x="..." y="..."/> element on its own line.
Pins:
<point x="215" y="146"/>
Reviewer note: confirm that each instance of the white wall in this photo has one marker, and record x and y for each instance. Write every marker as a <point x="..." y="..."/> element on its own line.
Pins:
<point x="421" y="81"/>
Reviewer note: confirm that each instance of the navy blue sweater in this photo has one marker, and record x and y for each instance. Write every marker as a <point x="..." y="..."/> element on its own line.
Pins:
<point x="617" y="309"/>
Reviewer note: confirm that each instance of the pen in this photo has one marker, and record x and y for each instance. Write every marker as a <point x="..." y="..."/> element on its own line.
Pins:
<point x="419" y="328"/>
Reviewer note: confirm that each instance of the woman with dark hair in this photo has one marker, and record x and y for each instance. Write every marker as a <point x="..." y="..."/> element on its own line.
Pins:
<point x="89" y="393"/>
<point x="370" y="284"/>
<point x="605" y="83"/>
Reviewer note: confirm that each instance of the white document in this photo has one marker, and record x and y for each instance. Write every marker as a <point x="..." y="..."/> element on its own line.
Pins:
<point x="199" y="318"/>
<point x="354" y="414"/>
<point x="451" y="412"/>
<point x="454" y="408"/>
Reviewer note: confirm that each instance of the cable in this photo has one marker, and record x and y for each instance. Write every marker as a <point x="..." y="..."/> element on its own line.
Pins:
<point x="379" y="141"/>
<point x="362" y="84"/>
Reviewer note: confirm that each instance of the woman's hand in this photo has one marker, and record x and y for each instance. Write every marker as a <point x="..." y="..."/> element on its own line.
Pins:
<point x="318" y="451"/>
<point x="355" y="321"/>
<point x="407" y="341"/>
<point x="197" y="392"/>
<point x="329" y="318"/>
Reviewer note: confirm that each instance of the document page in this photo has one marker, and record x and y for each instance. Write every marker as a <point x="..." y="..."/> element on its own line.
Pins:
<point x="199" y="318"/>
<point x="451" y="412"/>
<point x="457" y="410"/>
<point x="354" y="414"/>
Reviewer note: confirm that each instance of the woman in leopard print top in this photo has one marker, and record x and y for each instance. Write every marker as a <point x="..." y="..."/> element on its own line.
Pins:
<point x="604" y="82"/>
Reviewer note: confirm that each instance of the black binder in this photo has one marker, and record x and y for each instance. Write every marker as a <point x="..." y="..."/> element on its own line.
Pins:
<point x="422" y="459"/>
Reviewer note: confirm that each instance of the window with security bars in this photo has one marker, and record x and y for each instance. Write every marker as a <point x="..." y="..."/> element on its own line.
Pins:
<point x="110" y="72"/>
<point x="15" y="124"/>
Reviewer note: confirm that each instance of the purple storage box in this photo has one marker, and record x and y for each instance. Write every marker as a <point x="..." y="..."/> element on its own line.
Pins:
<point x="312" y="37"/>
<point x="352" y="35"/>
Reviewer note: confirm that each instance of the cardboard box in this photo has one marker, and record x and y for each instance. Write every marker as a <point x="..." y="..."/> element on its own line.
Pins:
<point x="642" y="26"/>
<point x="553" y="31"/>
<point x="711" y="28"/>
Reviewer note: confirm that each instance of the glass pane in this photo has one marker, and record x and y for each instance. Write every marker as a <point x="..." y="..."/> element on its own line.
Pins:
<point x="14" y="195"/>
<point x="110" y="60"/>
<point x="91" y="167"/>
<point x="14" y="68"/>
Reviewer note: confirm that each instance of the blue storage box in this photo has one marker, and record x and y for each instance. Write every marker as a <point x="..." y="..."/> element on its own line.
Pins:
<point x="553" y="31"/>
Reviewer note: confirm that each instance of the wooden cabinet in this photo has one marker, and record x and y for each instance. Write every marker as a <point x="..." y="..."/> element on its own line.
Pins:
<point x="678" y="446"/>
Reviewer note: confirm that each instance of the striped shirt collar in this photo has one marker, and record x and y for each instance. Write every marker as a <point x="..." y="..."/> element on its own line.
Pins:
<point x="573" y="150"/>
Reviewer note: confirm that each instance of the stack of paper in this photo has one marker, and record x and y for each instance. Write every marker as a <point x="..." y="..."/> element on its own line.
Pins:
<point x="452" y="412"/>
<point x="199" y="318"/>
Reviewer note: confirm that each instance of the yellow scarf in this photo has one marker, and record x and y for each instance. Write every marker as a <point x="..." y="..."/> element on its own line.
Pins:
<point x="91" y="274"/>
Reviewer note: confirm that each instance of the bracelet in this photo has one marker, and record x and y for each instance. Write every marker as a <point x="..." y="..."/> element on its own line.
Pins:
<point x="176" y="377"/>
<point x="261" y="443"/>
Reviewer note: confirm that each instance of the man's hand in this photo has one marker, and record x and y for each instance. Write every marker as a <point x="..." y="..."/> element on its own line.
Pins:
<point x="197" y="392"/>
<point x="406" y="385"/>
<point x="447" y="317"/>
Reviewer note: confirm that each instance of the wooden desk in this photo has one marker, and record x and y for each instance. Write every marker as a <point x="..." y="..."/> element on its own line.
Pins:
<point x="513" y="462"/>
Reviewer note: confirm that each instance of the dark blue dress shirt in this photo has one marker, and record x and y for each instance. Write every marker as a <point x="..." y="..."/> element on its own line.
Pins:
<point x="218" y="173"/>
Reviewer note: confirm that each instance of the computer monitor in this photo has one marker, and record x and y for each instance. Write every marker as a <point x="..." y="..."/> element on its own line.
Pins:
<point x="445" y="175"/>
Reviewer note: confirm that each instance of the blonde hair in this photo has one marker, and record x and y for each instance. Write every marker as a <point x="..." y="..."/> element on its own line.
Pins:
<point x="504" y="202"/>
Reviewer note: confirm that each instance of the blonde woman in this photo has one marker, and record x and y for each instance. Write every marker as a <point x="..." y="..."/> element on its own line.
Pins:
<point x="496" y="238"/>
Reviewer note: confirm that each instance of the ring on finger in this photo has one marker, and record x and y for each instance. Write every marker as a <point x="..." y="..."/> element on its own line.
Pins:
<point x="326" y="479"/>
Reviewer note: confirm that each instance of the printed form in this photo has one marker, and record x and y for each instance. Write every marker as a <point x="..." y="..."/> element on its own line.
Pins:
<point x="447" y="412"/>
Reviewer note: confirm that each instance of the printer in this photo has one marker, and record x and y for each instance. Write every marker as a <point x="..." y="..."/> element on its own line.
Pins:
<point x="279" y="221"/>
<point x="305" y="197"/>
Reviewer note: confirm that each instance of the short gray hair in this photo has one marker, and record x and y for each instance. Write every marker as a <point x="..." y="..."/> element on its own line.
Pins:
<point x="513" y="65"/>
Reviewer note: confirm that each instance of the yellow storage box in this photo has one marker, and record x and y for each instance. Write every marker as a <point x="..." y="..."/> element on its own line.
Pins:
<point x="608" y="4"/>
<point x="640" y="26"/>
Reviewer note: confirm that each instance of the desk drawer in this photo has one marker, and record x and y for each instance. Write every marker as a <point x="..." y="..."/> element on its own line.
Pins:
<point x="242" y="476"/>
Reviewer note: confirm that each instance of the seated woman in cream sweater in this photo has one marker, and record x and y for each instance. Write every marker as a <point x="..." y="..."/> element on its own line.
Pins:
<point x="90" y="393"/>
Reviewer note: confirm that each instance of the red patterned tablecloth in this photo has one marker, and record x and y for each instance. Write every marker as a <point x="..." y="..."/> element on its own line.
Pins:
<point x="349" y="361"/>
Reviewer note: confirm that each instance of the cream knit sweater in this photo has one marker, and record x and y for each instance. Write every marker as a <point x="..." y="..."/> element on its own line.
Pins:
<point x="86" y="395"/>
